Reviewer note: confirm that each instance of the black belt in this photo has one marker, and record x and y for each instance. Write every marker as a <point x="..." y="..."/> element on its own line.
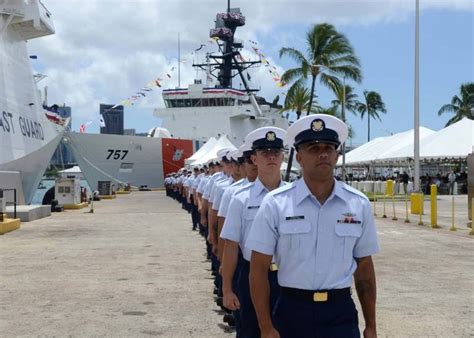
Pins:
<point x="316" y="296"/>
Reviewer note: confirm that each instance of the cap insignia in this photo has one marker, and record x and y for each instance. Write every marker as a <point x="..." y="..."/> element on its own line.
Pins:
<point x="271" y="136"/>
<point x="317" y="125"/>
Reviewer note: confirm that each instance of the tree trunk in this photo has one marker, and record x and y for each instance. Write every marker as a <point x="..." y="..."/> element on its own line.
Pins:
<point x="368" y="129"/>
<point x="310" y="104"/>
<point x="290" y="156"/>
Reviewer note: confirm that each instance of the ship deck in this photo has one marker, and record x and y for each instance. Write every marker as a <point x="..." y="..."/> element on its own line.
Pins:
<point x="135" y="268"/>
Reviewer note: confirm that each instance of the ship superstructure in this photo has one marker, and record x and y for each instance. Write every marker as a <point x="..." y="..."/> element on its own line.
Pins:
<point x="202" y="111"/>
<point x="27" y="138"/>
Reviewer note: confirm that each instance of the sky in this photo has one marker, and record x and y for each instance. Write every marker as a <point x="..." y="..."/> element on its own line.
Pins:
<point x="105" y="51"/>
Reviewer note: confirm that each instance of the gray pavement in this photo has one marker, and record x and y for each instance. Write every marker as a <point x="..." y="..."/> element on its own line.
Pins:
<point x="135" y="268"/>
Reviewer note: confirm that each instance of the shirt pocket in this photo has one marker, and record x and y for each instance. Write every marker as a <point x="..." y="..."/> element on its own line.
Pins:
<point x="348" y="234"/>
<point x="295" y="238"/>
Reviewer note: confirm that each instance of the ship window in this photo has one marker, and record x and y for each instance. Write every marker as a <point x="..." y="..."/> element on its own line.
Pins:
<point x="61" y="190"/>
<point x="67" y="190"/>
<point x="212" y="102"/>
<point x="239" y="102"/>
<point x="205" y="102"/>
<point x="187" y="103"/>
<point x="196" y="102"/>
<point x="179" y="103"/>
<point x="167" y="104"/>
<point x="174" y="104"/>
<point x="231" y="101"/>
<point x="219" y="102"/>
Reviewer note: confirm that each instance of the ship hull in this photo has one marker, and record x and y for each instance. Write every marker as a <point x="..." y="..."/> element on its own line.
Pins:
<point x="133" y="160"/>
<point x="27" y="138"/>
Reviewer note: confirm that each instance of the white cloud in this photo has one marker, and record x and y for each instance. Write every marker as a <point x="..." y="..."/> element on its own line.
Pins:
<point x="104" y="50"/>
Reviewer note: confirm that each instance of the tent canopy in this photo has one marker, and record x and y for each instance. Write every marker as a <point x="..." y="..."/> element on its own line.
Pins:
<point x="201" y="151"/>
<point x="380" y="148"/>
<point x="221" y="143"/>
<point x="453" y="143"/>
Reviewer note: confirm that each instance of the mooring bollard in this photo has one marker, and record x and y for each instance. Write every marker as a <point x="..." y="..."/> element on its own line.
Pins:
<point x="453" y="227"/>
<point x="92" y="205"/>
<point x="407" y="220"/>
<point x="434" y="206"/>
<point x="394" y="218"/>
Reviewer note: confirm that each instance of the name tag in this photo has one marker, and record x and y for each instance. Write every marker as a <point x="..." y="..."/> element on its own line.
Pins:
<point x="289" y="218"/>
<point x="253" y="207"/>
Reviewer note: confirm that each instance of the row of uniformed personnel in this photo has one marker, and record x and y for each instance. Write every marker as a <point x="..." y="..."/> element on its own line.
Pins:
<point x="285" y="255"/>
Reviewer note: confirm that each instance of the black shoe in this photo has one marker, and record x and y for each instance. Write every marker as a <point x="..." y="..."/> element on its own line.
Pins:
<point x="229" y="319"/>
<point x="219" y="302"/>
<point x="215" y="291"/>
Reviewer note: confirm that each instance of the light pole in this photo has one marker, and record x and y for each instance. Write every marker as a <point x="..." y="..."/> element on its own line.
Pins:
<point x="416" y="181"/>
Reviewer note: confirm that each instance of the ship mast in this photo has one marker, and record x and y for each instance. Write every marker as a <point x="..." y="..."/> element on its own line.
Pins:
<point x="226" y="61"/>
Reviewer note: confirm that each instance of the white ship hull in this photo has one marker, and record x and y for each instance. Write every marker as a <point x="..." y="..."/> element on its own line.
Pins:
<point x="120" y="159"/>
<point x="27" y="138"/>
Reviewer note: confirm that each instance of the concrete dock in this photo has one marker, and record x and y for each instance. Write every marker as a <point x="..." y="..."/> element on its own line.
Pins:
<point x="135" y="268"/>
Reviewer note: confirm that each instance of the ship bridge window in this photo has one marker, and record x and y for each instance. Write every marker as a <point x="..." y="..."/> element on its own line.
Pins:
<point x="187" y="103"/>
<point x="212" y="102"/>
<point x="195" y="102"/>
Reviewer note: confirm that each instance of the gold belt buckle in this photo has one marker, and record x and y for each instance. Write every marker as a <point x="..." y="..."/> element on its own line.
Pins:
<point x="320" y="297"/>
<point x="273" y="267"/>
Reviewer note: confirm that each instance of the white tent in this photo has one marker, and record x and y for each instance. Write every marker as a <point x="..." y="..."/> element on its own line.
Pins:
<point x="453" y="142"/>
<point x="201" y="151"/>
<point x="379" y="149"/>
<point x="221" y="143"/>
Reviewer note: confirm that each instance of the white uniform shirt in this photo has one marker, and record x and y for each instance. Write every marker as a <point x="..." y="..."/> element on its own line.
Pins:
<point x="218" y="181"/>
<point x="202" y="184"/>
<point x="228" y="194"/>
<point x="241" y="214"/>
<point x="210" y="184"/>
<point x="219" y="189"/>
<point x="314" y="245"/>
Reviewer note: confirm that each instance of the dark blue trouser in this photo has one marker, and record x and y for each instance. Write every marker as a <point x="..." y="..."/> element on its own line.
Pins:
<point x="295" y="318"/>
<point x="249" y="324"/>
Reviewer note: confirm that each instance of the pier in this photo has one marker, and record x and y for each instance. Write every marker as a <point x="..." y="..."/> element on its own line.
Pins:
<point x="135" y="268"/>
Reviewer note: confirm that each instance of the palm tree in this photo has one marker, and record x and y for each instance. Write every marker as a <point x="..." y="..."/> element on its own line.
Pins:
<point x="461" y="106"/>
<point x="350" y="100"/>
<point x="297" y="99"/>
<point x="372" y="106"/>
<point x="329" y="56"/>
